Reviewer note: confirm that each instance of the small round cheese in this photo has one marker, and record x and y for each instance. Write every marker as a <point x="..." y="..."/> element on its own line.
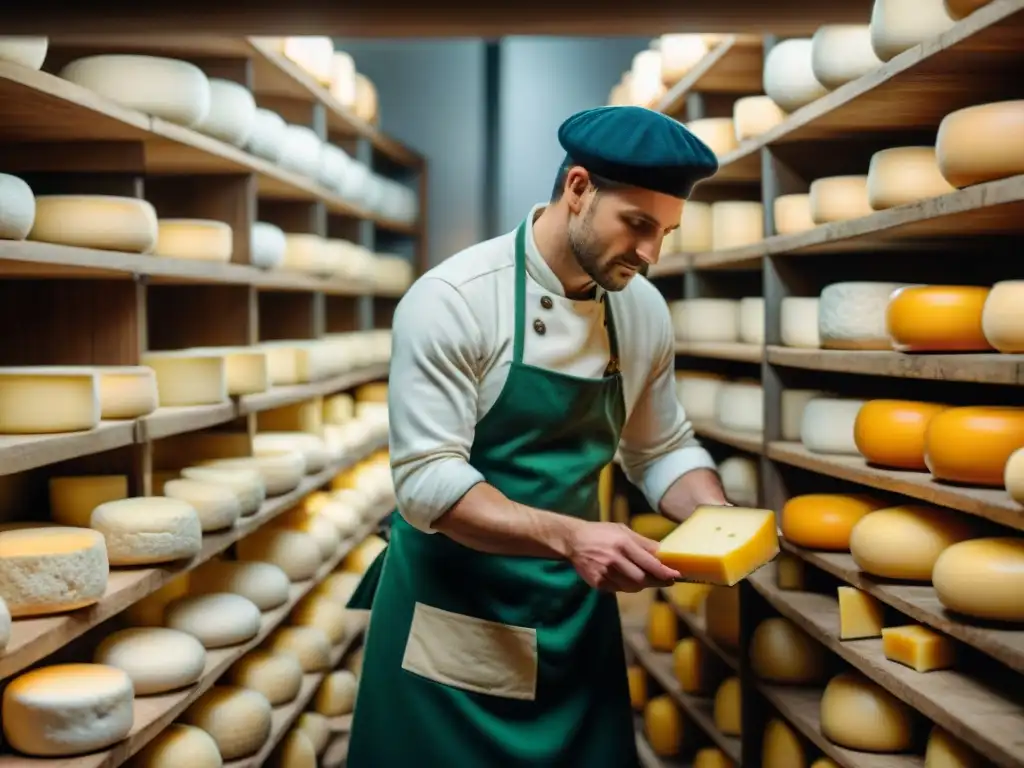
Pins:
<point x="698" y="393"/>
<point x="1002" y="319"/>
<point x="859" y="714"/>
<point x="662" y="627"/>
<point x="688" y="665"/>
<point x="736" y="223"/>
<point x="24" y="50"/>
<point x="238" y="719"/>
<point x="937" y="318"/>
<point x="216" y="505"/>
<point x="317" y="729"/>
<point x="149" y="611"/>
<point x="972" y="445"/>
<point x="267" y="137"/>
<point x="232" y="113"/>
<point x="839" y="198"/>
<point x="663" y="726"/>
<point x="312" y="447"/>
<point x="17" y="207"/>
<point x="788" y="77"/>
<point x="722" y="615"/>
<point x="267" y="245"/>
<point x="363" y="554"/>
<point x="127" y="392"/>
<point x="740" y="407"/>
<point x="300" y="150"/>
<point x="781" y="652"/>
<point x="799" y="322"/>
<point x="246" y="484"/>
<point x="264" y="584"/>
<point x="827" y="425"/>
<point x="72" y="499"/>
<point x="277" y="676"/>
<point x="853" y="315"/>
<point x="753" y="116"/>
<point x="792" y="407"/>
<point x="707" y="320"/>
<point x="841" y="53"/>
<point x="728" y="707"/>
<point x="695" y="227"/>
<point x="218" y="619"/>
<point x="890" y="433"/>
<point x="198" y="239"/>
<point x="751" y="320"/>
<point x="1013" y="476"/>
<point x="739" y="480"/>
<point x="981" y="143"/>
<point x="824" y="521"/>
<point x="336" y="694"/>
<point x="718" y="133"/>
<point x="104" y="222"/>
<point x="281" y="472"/>
<point x="67" y="710"/>
<point x="904" y="175"/>
<point x="294" y="552"/>
<point x="307" y="645"/>
<point x="157" y="660"/>
<point x="898" y="25"/>
<point x="180" y="745"/>
<point x="323" y="613"/>
<point x="944" y="751"/>
<point x="296" y="751"/>
<point x="904" y="542"/>
<point x="147" y="530"/>
<point x="338" y="586"/>
<point x="792" y="214"/>
<point x="781" y="746"/>
<point x="982" y="578"/>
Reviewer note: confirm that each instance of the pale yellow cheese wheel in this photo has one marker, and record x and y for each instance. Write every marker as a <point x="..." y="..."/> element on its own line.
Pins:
<point x="1013" y="476"/>
<point x="792" y="214"/>
<point x="781" y="652"/>
<point x="719" y="133"/>
<point x="781" y="747"/>
<point x="663" y="726"/>
<point x="859" y="714"/>
<point x="904" y="175"/>
<point x="1002" y="318"/>
<point x="728" y="709"/>
<point x="982" y="578"/>
<point x="839" y="198"/>
<point x="755" y="115"/>
<point x="944" y="751"/>
<point x="904" y="542"/>
<point x="981" y="143"/>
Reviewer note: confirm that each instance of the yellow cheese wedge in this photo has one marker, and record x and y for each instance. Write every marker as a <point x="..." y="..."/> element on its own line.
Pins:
<point x="721" y="545"/>
<point x="860" y="615"/>
<point x="919" y="648"/>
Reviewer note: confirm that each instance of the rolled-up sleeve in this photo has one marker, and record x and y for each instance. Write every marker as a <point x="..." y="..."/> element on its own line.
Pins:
<point x="658" y="444"/>
<point x="432" y="400"/>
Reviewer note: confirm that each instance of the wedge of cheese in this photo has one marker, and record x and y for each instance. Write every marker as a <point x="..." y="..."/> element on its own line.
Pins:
<point x="721" y="545"/>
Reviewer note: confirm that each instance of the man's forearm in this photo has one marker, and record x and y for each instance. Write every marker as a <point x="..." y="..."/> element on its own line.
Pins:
<point x="696" y="487"/>
<point x="487" y="520"/>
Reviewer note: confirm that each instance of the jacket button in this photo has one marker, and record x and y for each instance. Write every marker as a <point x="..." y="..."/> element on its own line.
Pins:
<point x="546" y="302"/>
<point x="539" y="327"/>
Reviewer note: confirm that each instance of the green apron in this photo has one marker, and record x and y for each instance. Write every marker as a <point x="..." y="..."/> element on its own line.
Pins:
<point x="543" y="444"/>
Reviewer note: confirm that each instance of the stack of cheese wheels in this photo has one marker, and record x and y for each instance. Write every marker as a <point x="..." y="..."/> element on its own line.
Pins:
<point x="841" y="53"/>
<point x="992" y="130"/>
<point x="755" y="115"/>
<point x="898" y="25"/>
<point x="852" y="315"/>
<point x="827" y="425"/>
<point x="788" y="76"/>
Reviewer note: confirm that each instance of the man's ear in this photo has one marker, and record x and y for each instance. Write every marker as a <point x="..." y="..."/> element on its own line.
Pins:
<point x="577" y="182"/>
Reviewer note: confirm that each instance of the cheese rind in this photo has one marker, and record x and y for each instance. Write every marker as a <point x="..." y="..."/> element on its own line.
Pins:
<point x="841" y="53"/>
<point x="891" y="433"/>
<point x="1002" y="319"/>
<point x="905" y="542"/>
<point x="277" y="676"/>
<point x="48" y="400"/>
<point x="839" y="198"/>
<point x="904" y="175"/>
<point x="104" y="222"/>
<point x="860" y="614"/>
<point x="197" y="239"/>
<point x="971" y="445"/>
<point x="859" y="714"/>
<point x="788" y="77"/>
<point x="982" y="578"/>
<point x="147" y="530"/>
<point x="217" y="620"/>
<point x="781" y="652"/>
<point x="937" y="318"/>
<point x="216" y="505"/>
<point x="981" y="143"/>
<point x="727" y="708"/>
<point x="186" y="378"/>
<point x="72" y="499"/>
<point x="180" y="745"/>
<point x="156" y="659"/>
<point x="238" y="719"/>
<point x="920" y="648"/>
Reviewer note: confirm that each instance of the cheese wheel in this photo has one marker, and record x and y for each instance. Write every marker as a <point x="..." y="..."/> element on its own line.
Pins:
<point x="198" y="239"/>
<point x="72" y="499"/>
<point x="782" y="747"/>
<point x="792" y="214"/>
<point x="276" y="676"/>
<point x="663" y="726"/>
<point x="904" y="175"/>
<point x="51" y="570"/>
<point x="718" y="133"/>
<point x="739" y="478"/>
<point x="712" y="757"/>
<point x="645" y="84"/>
<point x="354" y="661"/>
<point x="937" y="318"/>
<point x="961" y="9"/>
<point x="127" y="392"/>
<point x="168" y="88"/>
<point x="751" y="320"/>
<point x="944" y="751"/>
<point x="319" y="527"/>
<point x="267" y="137"/>
<point x="336" y="694"/>
<point x="300" y="151"/>
<point x="740" y="407"/>
<point x="728" y="707"/>
<point x="157" y="660"/>
<point x="688" y="665"/>
<point x="735" y="224"/>
<point x="982" y="578"/>
<point x="788" y="75"/>
<point x="972" y="445"/>
<point x="792" y="410"/>
<point x="294" y="552"/>
<point x="307" y="645"/>
<point x="217" y="620"/>
<point x="707" y="320"/>
<point x="781" y="652"/>
<point x="363" y="554"/>
<point x="314" y="54"/>
<point x="753" y="116"/>
<point x="859" y="714"/>
<point x="67" y="709"/>
<point x="343" y="78"/>
<point x="267" y="245"/>
<point x="24" y="50"/>
<point x="281" y="472"/>
<point x="841" y="53"/>
<point x="179" y="745"/>
<point x="853" y="315"/>
<point x="680" y="54"/>
<point x="898" y="25"/>
<point x="232" y="112"/>
<point x="305" y="416"/>
<point x="104" y="222"/>
<point x="799" y="322"/>
<point x="827" y="425"/>
<point x="317" y="729"/>
<point x="1013" y="476"/>
<point x="264" y="584"/>
<point x="216" y="505"/>
<point x="296" y="751"/>
<point x="636" y="677"/>
<point x="48" y="399"/>
<point x="662" y="627"/>
<point x="824" y="521"/>
<point x="722" y="615"/>
<point x="904" y="542"/>
<point x="839" y="198"/>
<point x="695" y="227"/>
<point x="147" y="530"/>
<point x="149" y="611"/>
<point x="698" y="393"/>
<point x="246" y="484"/>
<point x="890" y="433"/>
<point x="1002" y="319"/>
<point x="323" y="613"/>
<point x="312" y="447"/>
<point x="17" y="205"/>
<point x="339" y="586"/>
<point x="187" y="377"/>
<point x="238" y="719"/>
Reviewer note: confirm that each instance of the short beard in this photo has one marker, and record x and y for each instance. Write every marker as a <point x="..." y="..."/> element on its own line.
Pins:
<point x="587" y="251"/>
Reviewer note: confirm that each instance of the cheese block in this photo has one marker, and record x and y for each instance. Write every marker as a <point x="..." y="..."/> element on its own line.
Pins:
<point x="719" y="133"/>
<point x="317" y="729"/>
<point x="24" y="50"/>
<point x="198" y="239"/>
<point x="277" y="676"/>
<point x="824" y="521"/>
<point x="961" y="9"/>
<point x="972" y="445"/>
<point x="898" y="25"/>
<point x="216" y="505"/>
<point x="17" y="205"/>
<point x="739" y="478"/>
<point x="148" y="530"/>
<point x="740" y="407"/>
<point x="217" y="620"/>
<point x="859" y="714"/>
<point x="264" y="584"/>
<point x="827" y="425"/>
<point x="48" y="399"/>
<point x="753" y="116"/>
<point x="178" y="745"/>
<point x="312" y="447"/>
<point x="904" y="542"/>
<point x="246" y="484"/>
<point x="937" y="318"/>
<point x="186" y="377"/>
<point x="1002" y="319"/>
<point x="680" y="54"/>
<point x="781" y="652"/>
<point x="688" y="665"/>
<point x="295" y="553"/>
<point x="67" y="710"/>
<point x="72" y="499"/>
<point x="663" y="726"/>
<point x="790" y="572"/>
<point x="1013" y="476"/>
<point x="736" y="223"/>
<point x="788" y="75"/>
<point x="157" y="660"/>
<point x="792" y="214"/>
<point x="839" y="198"/>
<point x="232" y="113"/>
<point x="51" y="570"/>
<point x="722" y="615"/>
<point x="841" y="53"/>
<point x="636" y="677"/>
<point x="167" y="88"/>
<point x="853" y="315"/>
<point x="721" y="545"/>
<point x="300" y="150"/>
<point x="281" y="472"/>
<point x="149" y="611"/>
<point x="296" y="751"/>
<point x="307" y="645"/>
<point x="305" y="416"/>
<point x="728" y="708"/>
<point x="891" y="433"/>
<point x="781" y="746"/>
<point x="904" y="175"/>
<point x="662" y="627"/>
<point x="267" y="137"/>
<point x="698" y="393"/>
<point x="708" y="320"/>
<point x="982" y="578"/>
<point x="945" y="751"/>
<point x="323" y="613"/>
<point x="267" y="245"/>
<point x="978" y="144"/>
<point x="798" y="323"/>
<point x="712" y="757"/>
<point x="860" y="614"/>
<point x="336" y="695"/>
<point x="103" y="222"/>
<point x="127" y="392"/>
<point x="920" y="648"/>
<point x="792" y="410"/>
<point x="238" y="719"/>
<point x="751" y="320"/>
<point x="688" y="597"/>
<point x="314" y="54"/>
<point x="695" y="227"/>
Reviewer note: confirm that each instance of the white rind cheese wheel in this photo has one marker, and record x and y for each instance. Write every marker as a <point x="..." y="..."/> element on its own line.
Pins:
<point x="1013" y="476"/>
<point x="312" y="447"/>
<point x="147" y="530"/>
<point x="1002" y="319"/>
<point x="188" y="378"/>
<point x="343" y="78"/>
<point x="46" y="400"/>
<point x="314" y="54"/>
<point x="168" y="88"/>
<point x="277" y="676"/>
<point x="337" y="694"/>
<point x="827" y="425"/>
<point x="781" y="652"/>
<point x="52" y="570"/>
<point x="859" y="714"/>
<point x="736" y="223"/>
<point x="788" y="77"/>
<point x="792" y="214"/>
<point x="899" y="25"/>
<point x="752" y="320"/>
<point x="798" y="321"/>
<point x="680" y="54"/>
<point x="695" y="228"/>
<point x="718" y="133"/>
<point x="267" y="137"/>
<point x="852" y="315"/>
<point x="68" y="709"/>
<point x="104" y="222"/>
<point x="982" y="578"/>
<point x="904" y="175"/>
<point x="247" y="485"/>
<point x="839" y="198"/>
<point x="238" y="719"/>
<point x="295" y="553"/>
<point x="981" y="143"/>
<point x="196" y="239"/>
<point x="216" y="505"/>
<point x="739" y="479"/>
<point x="308" y="645"/>
<point x="217" y="620"/>
<point x="300" y="150"/>
<point x="157" y="660"/>
<point x="707" y="320"/>
<point x="17" y="206"/>
<point x="127" y="392"/>
<point x="177" y="746"/>
<point x="281" y="472"/>
<point x="317" y="729"/>
<point x="232" y="113"/>
<point x="267" y="245"/>
<point x="792" y="408"/>
<point x="842" y="53"/>
<point x="740" y="406"/>
<point x="264" y="584"/>
<point x="23" y="50"/>
<point x="698" y="393"/>
<point x="323" y="613"/>
<point x="72" y="499"/>
<point x="753" y="116"/>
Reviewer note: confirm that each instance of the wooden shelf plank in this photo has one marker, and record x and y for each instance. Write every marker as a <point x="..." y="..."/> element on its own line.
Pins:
<point x="19" y="453"/>
<point x="670" y="264"/>
<point x="745" y="353"/>
<point x="733" y="66"/>
<point x="989" y="503"/>
<point x="752" y="443"/>
<point x="697" y="626"/>
<point x="164" y="422"/>
<point x="745" y="258"/>
<point x="979" y="714"/>
<point x="280" y="396"/>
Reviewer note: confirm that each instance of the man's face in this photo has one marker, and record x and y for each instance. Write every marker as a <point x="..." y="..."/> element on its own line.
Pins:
<point x="619" y="232"/>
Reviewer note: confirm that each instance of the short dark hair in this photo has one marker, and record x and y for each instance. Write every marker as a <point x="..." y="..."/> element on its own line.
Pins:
<point x="600" y="183"/>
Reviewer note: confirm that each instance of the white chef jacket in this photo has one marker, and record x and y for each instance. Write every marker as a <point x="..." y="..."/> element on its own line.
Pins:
<point x="452" y="348"/>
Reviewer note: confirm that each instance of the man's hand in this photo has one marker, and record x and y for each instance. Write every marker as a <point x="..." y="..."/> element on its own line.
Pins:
<point x="613" y="558"/>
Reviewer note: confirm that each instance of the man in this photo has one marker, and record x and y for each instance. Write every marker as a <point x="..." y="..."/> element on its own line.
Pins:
<point x="519" y="367"/>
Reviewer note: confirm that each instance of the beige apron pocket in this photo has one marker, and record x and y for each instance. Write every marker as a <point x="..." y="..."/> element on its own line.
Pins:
<point x="472" y="654"/>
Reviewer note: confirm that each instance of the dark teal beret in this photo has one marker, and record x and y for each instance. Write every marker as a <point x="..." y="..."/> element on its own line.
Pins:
<point x="637" y="147"/>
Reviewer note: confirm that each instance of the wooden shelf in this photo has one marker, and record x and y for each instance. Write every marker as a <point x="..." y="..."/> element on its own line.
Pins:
<point x="277" y="397"/>
<point x="733" y="66"/>
<point x="697" y="627"/>
<point x="19" y="453"/>
<point x="744" y="441"/>
<point x="744" y="353"/>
